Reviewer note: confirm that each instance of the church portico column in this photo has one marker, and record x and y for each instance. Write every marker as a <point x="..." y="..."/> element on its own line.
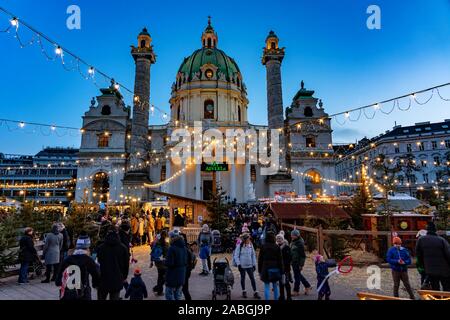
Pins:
<point x="198" y="181"/>
<point x="247" y="181"/>
<point x="233" y="182"/>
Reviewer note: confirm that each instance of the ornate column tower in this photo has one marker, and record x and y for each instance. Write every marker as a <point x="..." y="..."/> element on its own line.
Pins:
<point x="272" y="58"/>
<point x="144" y="57"/>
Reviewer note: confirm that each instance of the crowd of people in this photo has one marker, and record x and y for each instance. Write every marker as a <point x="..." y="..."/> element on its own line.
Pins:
<point x="259" y="247"/>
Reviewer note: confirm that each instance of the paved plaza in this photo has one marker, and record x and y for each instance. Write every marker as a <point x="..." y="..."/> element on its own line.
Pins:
<point x="343" y="287"/>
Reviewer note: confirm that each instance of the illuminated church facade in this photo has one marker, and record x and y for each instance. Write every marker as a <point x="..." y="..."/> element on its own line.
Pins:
<point x="209" y="88"/>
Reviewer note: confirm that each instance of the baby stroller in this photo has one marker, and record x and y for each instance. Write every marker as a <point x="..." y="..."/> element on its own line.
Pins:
<point x="216" y="246"/>
<point x="223" y="278"/>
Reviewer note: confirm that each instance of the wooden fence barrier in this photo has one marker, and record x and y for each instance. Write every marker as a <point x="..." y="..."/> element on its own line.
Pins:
<point x="434" y="295"/>
<point x="374" y="296"/>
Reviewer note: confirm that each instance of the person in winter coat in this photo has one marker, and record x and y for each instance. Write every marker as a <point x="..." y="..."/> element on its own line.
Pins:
<point x="113" y="258"/>
<point x="134" y="223"/>
<point x="322" y="272"/>
<point x="285" y="282"/>
<point x="27" y="254"/>
<point x="151" y="228"/>
<point x="52" y="253"/>
<point x="141" y="231"/>
<point x="176" y="263"/>
<point x="298" y="261"/>
<point x="66" y="240"/>
<point x="419" y="266"/>
<point x="270" y="266"/>
<point x="191" y="261"/>
<point x="81" y="259"/>
<point x="433" y="253"/>
<point x="158" y="256"/>
<point x="399" y="259"/>
<point x="206" y="234"/>
<point x="136" y="289"/>
<point x="245" y="259"/>
<point x="204" y="256"/>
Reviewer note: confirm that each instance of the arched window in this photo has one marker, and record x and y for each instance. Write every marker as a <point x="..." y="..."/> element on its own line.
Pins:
<point x="238" y="82"/>
<point x="313" y="183"/>
<point x="209" y="42"/>
<point x="143" y="43"/>
<point x="100" y="187"/>
<point x="308" y="112"/>
<point x="208" y="110"/>
<point x="272" y="45"/>
<point x="103" y="140"/>
<point x="106" y="110"/>
<point x="239" y="114"/>
<point x="178" y="113"/>
<point x="310" y="142"/>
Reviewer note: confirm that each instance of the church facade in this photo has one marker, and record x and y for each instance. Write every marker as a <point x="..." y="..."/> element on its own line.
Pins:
<point x="123" y="157"/>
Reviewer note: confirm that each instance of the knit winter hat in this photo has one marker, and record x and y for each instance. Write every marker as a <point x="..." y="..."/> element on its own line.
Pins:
<point x="137" y="272"/>
<point x="397" y="240"/>
<point x="295" y="233"/>
<point x="245" y="236"/>
<point x="280" y="238"/>
<point x="174" y="233"/>
<point x="83" y="242"/>
<point x="421" y="233"/>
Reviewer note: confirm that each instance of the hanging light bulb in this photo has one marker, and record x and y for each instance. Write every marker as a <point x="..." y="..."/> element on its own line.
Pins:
<point x="116" y="86"/>
<point x="53" y="128"/>
<point x="58" y="50"/>
<point x="91" y="71"/>
<point x="15" y="22"/>
<point x="22" y="124"/>
<point x="347" y="115"/>
<point x="376" y="106"/>
<point x="164" y="116"/>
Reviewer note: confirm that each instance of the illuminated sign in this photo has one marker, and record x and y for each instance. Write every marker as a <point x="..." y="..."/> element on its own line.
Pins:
<point x="214" y="167"/>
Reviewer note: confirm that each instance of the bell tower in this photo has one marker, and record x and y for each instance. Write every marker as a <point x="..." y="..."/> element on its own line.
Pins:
<point x="144" y="57"/>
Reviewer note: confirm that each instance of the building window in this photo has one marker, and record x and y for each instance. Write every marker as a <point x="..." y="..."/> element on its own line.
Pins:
<point x="272" y="45"/>
<point x="143" y="44"/>
<point x="408" y="147"/>
<point x="209" y="73"/>
<point x="253" y="172"/>
<point x="310" y="142"/>
<point x="447" y="144"/>
<point x="421" y="146"/>
<point x="397" y="149"/>
<point x="208" y="112"/>
<point x="425" y="177"/>
<point x="308" y="112"/>
<point x="437" y="161"/>
<point x="103" y="140"/>
<point x="178" y="113"/>
<point x="434" y="145"/>
<point x="423" y="163"/>
<point x="239" y="114"/>
<point x="163" y="173"/>
<point x="209" y="42"/>
<point x="106" y="110"/>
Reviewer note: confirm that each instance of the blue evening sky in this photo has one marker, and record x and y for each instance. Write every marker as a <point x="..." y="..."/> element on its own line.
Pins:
<point x="327" y="45"/>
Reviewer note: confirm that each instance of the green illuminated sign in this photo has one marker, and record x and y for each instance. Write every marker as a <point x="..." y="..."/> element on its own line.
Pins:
<point x="214" y="167"/>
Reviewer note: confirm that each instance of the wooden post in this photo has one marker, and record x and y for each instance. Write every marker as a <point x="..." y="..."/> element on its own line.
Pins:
<point x="320" y="240"/>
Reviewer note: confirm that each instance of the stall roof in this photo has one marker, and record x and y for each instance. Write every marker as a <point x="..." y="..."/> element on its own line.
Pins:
<point x="171" y="195"/>
<point x="286" y="210"/>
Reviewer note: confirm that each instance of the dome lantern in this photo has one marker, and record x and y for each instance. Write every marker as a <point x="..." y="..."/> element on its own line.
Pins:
<point x="209" y="36"/>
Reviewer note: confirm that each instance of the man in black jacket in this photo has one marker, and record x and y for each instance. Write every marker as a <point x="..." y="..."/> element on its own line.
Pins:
<point x="433" y="252"/>
<point x="27" y="254"/>
<point x="113" y="257"/>
<point x="86" y="265"/>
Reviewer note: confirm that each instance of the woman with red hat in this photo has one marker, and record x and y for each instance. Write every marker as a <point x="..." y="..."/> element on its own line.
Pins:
<point x="399" y="258"/>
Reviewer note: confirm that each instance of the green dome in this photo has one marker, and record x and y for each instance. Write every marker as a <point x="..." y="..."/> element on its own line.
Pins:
<point x="225" y="64"/>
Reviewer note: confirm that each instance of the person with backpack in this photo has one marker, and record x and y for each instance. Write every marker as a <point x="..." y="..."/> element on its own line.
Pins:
<point x="191" y="263"/>
<point x="157" y="257"/>
<point x="27" y="254"/>
<point x="399" y="258"/>
<point x="79" y="260"/>
<point x="298" y="261"/>
<point x="113" y="258"/>
<point x="176" y="262"/>
<point x="136" y="289"/>
<point x="244" y="258"/>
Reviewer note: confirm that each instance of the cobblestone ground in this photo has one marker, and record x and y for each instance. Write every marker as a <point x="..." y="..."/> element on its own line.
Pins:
<point x="343" y="287"/>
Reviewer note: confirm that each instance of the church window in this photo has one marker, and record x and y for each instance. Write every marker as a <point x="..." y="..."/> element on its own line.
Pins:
<point x="106" y="110"/>
<point x="103" y="140"/>
<point x="209" y="73"/>
<point x="208" y="112"/>
<point x="178" y="113"/>
<point x="272" y="45"/>
<point x="209" y="42"/>
<point x="310" y="142"/>
<point x="238" y="82"/>
<point x="308" y="112"/>
<point x="142" y="43"/>
<point x="239" y="114"/>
